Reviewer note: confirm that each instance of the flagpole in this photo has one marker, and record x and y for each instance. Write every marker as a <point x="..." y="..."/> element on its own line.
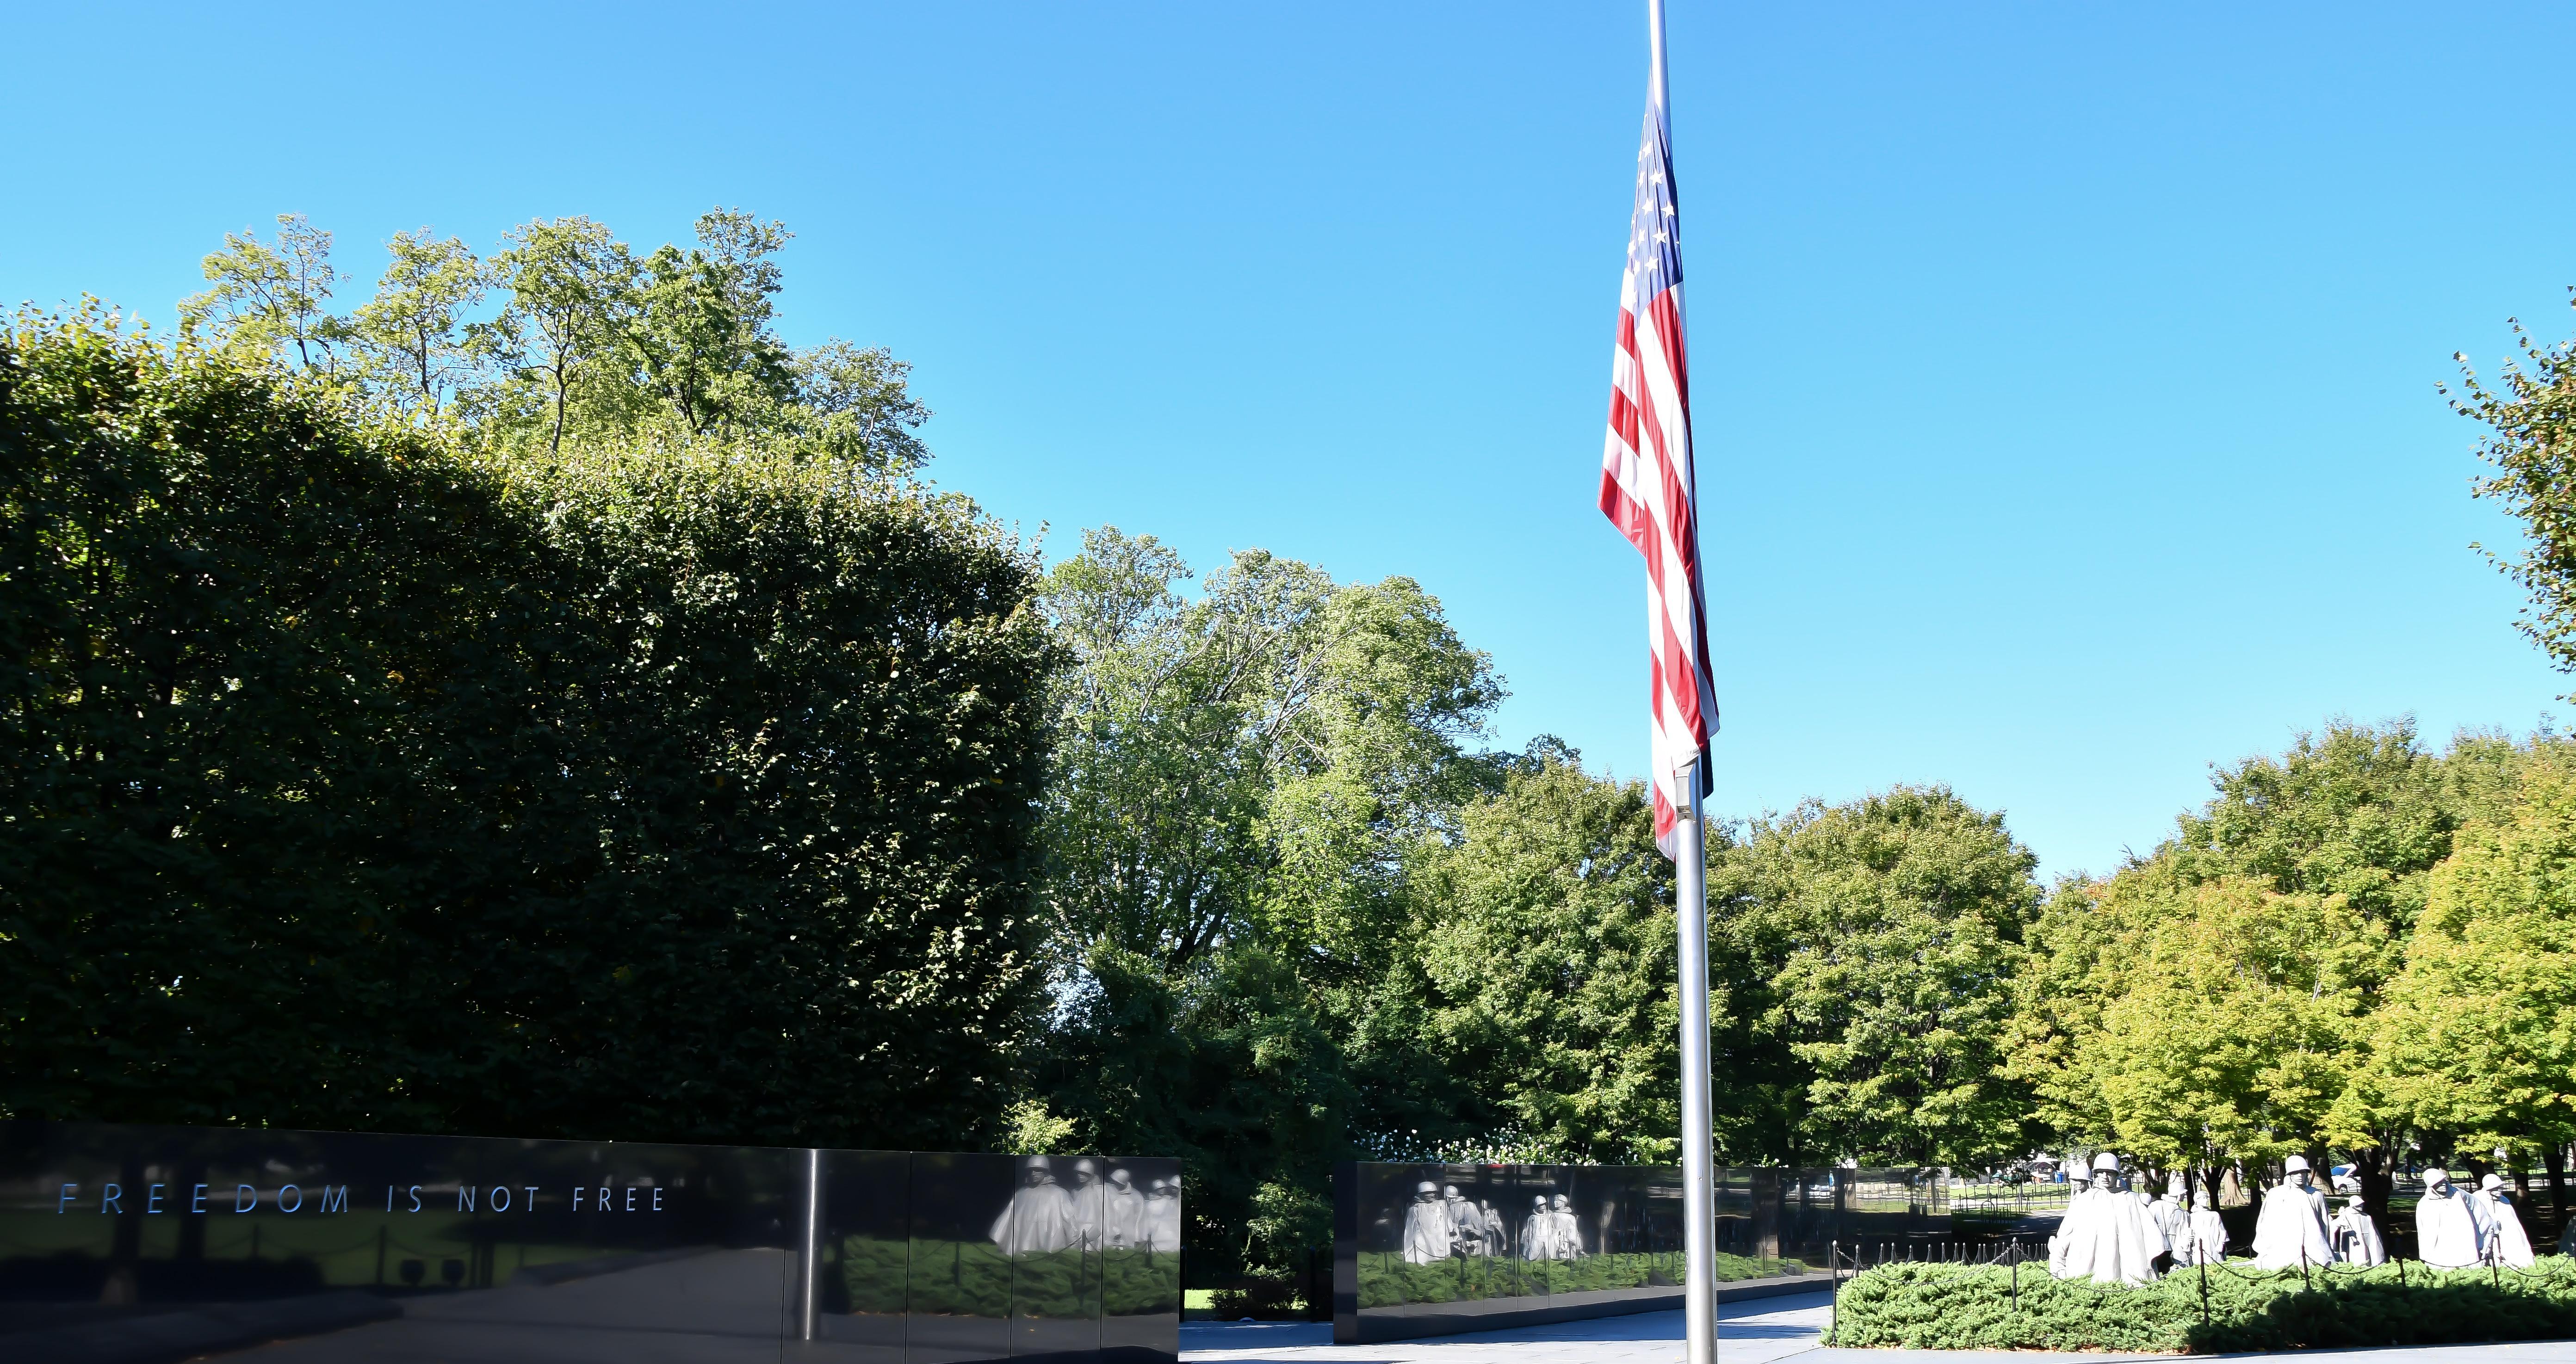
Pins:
<point x="1699" y="1193"/>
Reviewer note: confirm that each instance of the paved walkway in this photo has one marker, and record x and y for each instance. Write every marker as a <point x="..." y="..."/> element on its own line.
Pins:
<point x="1755" y="1332"/>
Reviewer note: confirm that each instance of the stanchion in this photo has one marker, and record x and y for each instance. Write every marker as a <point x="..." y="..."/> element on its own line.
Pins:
<point x="1833" y="1309"/>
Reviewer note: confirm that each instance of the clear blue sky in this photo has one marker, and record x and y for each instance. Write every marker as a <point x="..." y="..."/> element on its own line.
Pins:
<point x="2065" y="375"/>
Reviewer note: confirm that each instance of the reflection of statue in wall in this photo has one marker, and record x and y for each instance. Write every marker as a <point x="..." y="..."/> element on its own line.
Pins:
<point x="1084" y="1196"/>
<point x="2105" y="1235"/>
<point x="1426" y="1226"/>
<point x="1163" y="1216"/>
<point x="2291" y="1231"/>
<point x="2356" y="1237"/>
<point x="1498" y="1230"/>
<point x="1538" y="1234"/>
<point x="2508" y="1243"/>
<point x="1466" y="1225"/>
<point x="1040" y="1216"/>
<point x="2448" y="1233"/>
<point x="1122" y="1212"/>
<point x="1569" y="1235"/>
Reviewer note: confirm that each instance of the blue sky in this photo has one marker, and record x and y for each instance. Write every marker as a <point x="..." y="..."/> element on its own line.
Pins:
<point x="2064" y="373"/>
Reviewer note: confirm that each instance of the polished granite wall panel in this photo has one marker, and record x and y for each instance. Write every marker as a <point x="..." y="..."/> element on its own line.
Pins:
<point x="1421" y="1248"/>
<point x="117" y="1242"/>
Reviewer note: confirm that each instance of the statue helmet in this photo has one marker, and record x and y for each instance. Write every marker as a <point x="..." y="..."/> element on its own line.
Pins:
<point x="2105" y="1162"/>
<point x="2492" y="1181"/>
<point x="2435" y="1174"/>
<point x="1426" y="1187"/>
<point x="2295" y="1165"/>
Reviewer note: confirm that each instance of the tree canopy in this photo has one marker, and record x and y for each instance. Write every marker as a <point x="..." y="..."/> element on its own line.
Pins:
<point x="683" y="788"/>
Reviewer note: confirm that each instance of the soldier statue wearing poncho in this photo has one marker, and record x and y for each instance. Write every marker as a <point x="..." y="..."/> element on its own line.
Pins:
<point x="2508" y="1243"/>
<point x="2291" y="1233"/>
<point x="2172" y="1214"/>
<point x="2106" y="1235"/>
<point x="2449" y="1234"/>
<point x="2356" y="1237"/>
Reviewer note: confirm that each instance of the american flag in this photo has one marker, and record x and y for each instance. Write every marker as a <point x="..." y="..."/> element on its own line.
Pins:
<point x="1646" y="477"/>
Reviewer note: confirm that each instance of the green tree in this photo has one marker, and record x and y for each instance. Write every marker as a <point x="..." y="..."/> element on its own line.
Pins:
<point x="2530" y="441"/>
<point x="592" y="341"/>
<point x="701" y="337"/>
<point x="271" y="301"/>
<point x="571" y="292"/>
<point x="1251" y="764"/>
<point x="1548" y="944"/>
<point x="2360" y="815"/>
<point x="2227" y="1018"/>
<point x="1870" y="950"/>
<point x="1239" y="780"/>
<point x="855" y="404"/>
<point x="417" y="346"/>
<point x="2479" y="1031"/>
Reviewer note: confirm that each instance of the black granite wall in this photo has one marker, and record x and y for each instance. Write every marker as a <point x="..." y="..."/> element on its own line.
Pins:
<point x="140" y="1243"/>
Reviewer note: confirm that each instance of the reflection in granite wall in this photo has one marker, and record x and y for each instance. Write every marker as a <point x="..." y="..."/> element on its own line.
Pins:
<point x="116" y="1242"/>
<point x="1445" y="1240"/>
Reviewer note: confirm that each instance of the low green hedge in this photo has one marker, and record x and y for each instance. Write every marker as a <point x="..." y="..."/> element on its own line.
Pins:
<point x="1972" y="1307"/>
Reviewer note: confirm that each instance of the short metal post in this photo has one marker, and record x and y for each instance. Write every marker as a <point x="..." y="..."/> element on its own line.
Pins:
<point x="1833" y="1308"/>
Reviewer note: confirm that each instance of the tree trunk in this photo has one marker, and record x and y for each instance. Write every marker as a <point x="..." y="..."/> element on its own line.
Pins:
<point x="2554" y="1156"/>
<point x="2376" y="1168"/>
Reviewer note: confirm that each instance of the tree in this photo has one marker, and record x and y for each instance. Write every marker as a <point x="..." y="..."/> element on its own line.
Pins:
<point x="856" y="407"/>
<point x="700" y="335"/>
<point x="1239" y="780"/>
<point x="271" y="302"/>
<point x="2479" y="1032"/>
<point x="2530" y="441"/>
<point x="416" y="344"/>
<point x="1548" y="944"/>
<point x="2360" y="815"/>
<point x="592" y="341"/>
<point x="570" y="288"/>
<point x="2228" y="1012"/>
<point x="1872" y="948"/>
<point x="1250" y="764"/>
